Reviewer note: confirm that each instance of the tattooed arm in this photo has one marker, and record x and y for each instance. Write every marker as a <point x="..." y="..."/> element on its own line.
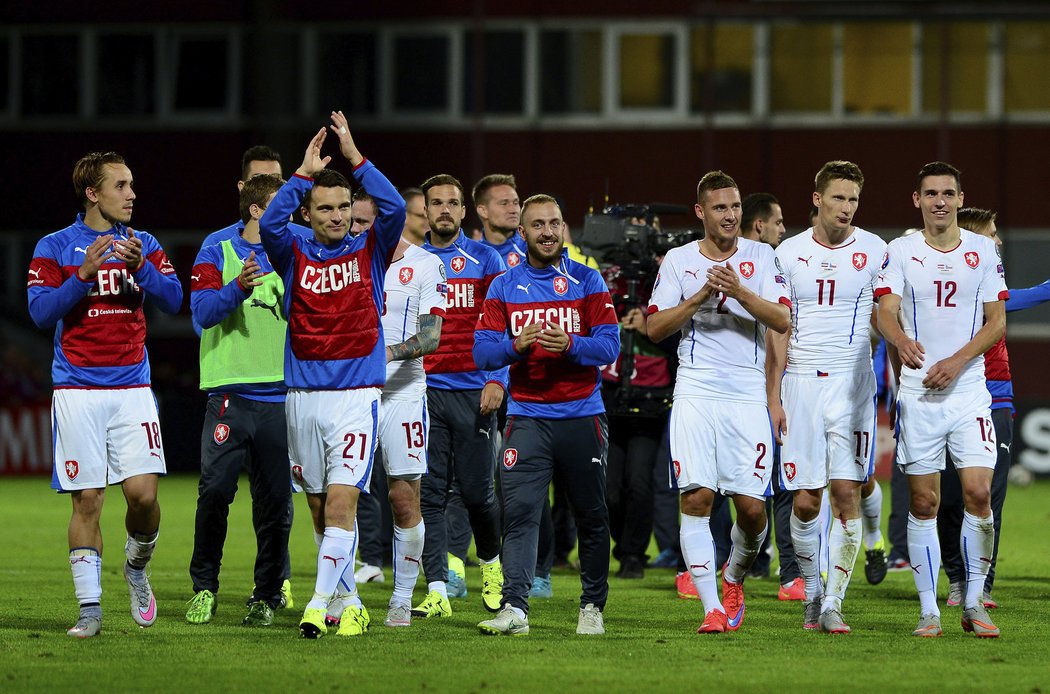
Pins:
<point x="423" y="342"/>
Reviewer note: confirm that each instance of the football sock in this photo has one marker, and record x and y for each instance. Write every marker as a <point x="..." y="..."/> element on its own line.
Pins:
<point x="843" y="545"/>
<point x="924" y="554"/>
<point x="807" y="540"/>
<point x="977" y="542"/>
<point x="86" y="565"/>
<point x="333" y="556"/>
<point x="698" y="549"/>
<point x="825" y="529"/>
<point x="486" y="562"/>
<point x="408" y="550"/>
<point x="742" y="553"/>
<point x="440" y="586"/>
<point x="139" y="549"/>
<point x="871" y="516"/>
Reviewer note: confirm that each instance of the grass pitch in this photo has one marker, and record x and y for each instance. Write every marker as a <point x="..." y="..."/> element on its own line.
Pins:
<point x="651" y="642"/>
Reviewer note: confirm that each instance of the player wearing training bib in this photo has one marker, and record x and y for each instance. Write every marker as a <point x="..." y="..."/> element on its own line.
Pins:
<point x="827" y="420"/>
<point x="552" y="321"/>
<point x="721" y="293"/>
<point x="335" y="360"/>
<point x="88" y="282"/>
<point x="941" y="297"/>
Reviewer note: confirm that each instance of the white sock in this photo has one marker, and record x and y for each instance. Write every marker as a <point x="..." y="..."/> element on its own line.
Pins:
<point x="408" y="551"/>
<point x="346" y="588"/>
<point x="698" y="550"/>
<point x="742" y="553"/>
<point x="924" y="554"/>
<point x="843" y="545"/>
<point x="977" y="542"/>
<point x="871" y="515"/>
<point x="86" y="565"/>
<point x="807" y="540"/>
<point x="825" y="530"/>
<point x="139" y="549"/>
<point x="439" y="586"/>
<point x="333" y="556"/>
<point x="486" y="562"/>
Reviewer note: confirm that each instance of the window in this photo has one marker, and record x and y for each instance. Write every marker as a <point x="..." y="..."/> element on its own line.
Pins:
<point x="126" y="74"/>
<point x="347" y="67"/>
<point x="954" y="66"/>
<point x="720" y="68"/>
<point x="647" y="70"/>
<point x="201" y="73"/>
<point x="421" y="70"/>
<point x="1026" y="55"/>
<point x="876" y="68"/>
<point x="571" y="69"/>
<point x="50" y="75"/>
<point x="496" y="60"/>
<point x="800" y="67"/>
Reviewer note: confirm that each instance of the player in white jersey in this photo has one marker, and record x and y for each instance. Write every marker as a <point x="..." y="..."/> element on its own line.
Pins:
<point x="827" y="421"/>
<point x="414" y="305"/>
<point x="721" y="293"/>
<point x="941" y="297"/>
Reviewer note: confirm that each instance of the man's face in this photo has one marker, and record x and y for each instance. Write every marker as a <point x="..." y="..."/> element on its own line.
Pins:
<point x="940" y="199"/>
<point x="542" y="229"/>
<point x="991" y="232"/>
<point x="720" y="213"/>
<point x="837" y="205"/>
<point x="416" y="218"/>
<point x="260" y="167"/>
<point x="502" y="211"/>
<point x="329" y="213"/>
<point x="771" y="229"/>
<point x="445" y="210"/>
<point x="362" y="214"/>
<point x="115" y="196"/>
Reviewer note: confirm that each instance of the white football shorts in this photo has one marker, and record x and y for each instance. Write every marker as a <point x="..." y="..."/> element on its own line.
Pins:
<point x="928" y="422"/>
<point x="332" y="437"/>
<point x="404" y="429"/>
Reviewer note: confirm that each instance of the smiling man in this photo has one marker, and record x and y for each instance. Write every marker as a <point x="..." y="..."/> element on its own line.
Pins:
<point x="552" y="321"/>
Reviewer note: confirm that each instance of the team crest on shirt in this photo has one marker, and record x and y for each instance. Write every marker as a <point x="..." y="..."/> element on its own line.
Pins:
<point x="404" y="275"/>
<point x="513" y="259"/>
<point x="860" y="260"/>
<point x="677" y="468"/>
<point x="297" y="473"/>
<point x="747" y="269"/>
<point x="510" y="456"/>
<point x="457" y="264"/>
<point x="561" y="285"/>
<point x="790" y="471"/>
<point x="972" y="259"/>
<point x="221" y="434"/>
<point x="72" y="469"/>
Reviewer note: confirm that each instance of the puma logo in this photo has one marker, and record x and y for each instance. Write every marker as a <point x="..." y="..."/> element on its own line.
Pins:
<point x="694" y="273"/>
<point x="256" y="303"/>
<point x="78" y="249"/>
<point x="915" y="567"/>
<point x="842" y="569"/>
<point x="806" y="260"/>
<point x="804" y="557"/>
<point x="525" y="288"/>
<point x="335" y="560"/>
<point x="416" y="456"/>
<point x="349" y="467"/>
<point x="920" y="262"/>
<point x="78" y="560"/>
<point x="412" y="559"/>
<point x="35" y="273"/>
<point x="706" y="566"/>
<point x="195" y="278"/>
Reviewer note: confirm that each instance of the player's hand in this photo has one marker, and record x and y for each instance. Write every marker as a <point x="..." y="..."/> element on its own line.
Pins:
<point x="553" y="339"/>
<point x="250" y="274"/>
<point x="97" y="253"/>
<point x="346" y="141"/>
<point x="911" y="353"/>
<point x="705" y="293"/>
<point x="723" y="278"/>
<point x="778" y="418"/>
<point x="129" y="250"/>
<point x="941" y="374"/>
<point x="312" y="160"/>
<point x="491" y="398"/>
<point x="527" y="337"/>
<point x="634" y="320"/>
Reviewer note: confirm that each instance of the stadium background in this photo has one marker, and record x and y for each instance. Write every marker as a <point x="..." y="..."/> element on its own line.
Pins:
<point x="592" y="101"/>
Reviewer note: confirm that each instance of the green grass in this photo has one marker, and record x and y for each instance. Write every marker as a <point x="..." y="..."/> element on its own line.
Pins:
<point x="651" y="642"/>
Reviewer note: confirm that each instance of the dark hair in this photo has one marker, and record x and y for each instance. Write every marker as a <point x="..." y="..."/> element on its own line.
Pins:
<point x="974" y="218"/>
<point x="442" y="180"/>
<point x="487" y="183"/>
<point x="938" y="168"/>
<point x="838" y="169"/>
<point x="537" y="199"/>
<point x="327" y="178"/>
<point x="90" y="171"/>
<point x="257" y="153"/>
<point x="756" y="206"/>
<point x="361" y="195"/>
<point x="410" y="192"/>
<point x="257" y="191"/>
<point x="714" y="180"/>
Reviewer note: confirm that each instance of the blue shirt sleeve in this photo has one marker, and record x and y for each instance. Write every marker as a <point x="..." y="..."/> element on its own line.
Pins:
<point x="1021" y="299"/>
<point x="277" y="238"/>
